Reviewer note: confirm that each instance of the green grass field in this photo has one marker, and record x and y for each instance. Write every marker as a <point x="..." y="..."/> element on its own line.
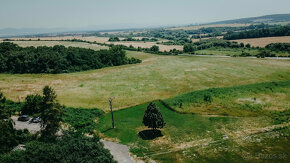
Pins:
<point x="188" y="137"/>
<point x="157" y="77"/>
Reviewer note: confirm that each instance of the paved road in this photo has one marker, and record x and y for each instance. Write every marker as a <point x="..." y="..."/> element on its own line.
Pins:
<point x="119" y="151"/>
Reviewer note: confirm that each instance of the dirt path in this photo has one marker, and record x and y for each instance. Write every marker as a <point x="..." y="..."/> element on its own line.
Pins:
<point x="119" y="151"/>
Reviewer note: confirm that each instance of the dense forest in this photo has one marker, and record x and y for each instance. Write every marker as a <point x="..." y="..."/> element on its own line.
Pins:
<point x="257" y="33"/>
<point x="58" y="59"/>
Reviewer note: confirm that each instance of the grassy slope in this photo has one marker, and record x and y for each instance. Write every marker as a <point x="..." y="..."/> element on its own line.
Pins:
<point x="188" y="137"/>
<point x="157" y="77"/>
<point x="246" y="100"/>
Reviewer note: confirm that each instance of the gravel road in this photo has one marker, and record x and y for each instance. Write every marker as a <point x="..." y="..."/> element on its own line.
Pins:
<point x="32" y="127"/>
<point x="120" y="152"/>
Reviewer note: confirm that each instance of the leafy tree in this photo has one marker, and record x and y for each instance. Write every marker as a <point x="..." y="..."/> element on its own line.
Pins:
<point x="112" y="39"/>
<point x="154" y="48"/>
<point x="7" y="131"/>
<point x="265" y="53"/>
<point x="153" y="118"/>
<point x="248" y="45"/>
<point x="242" y="44"/>
<point x="51" y="113"/>
<point x="32" y="104"/>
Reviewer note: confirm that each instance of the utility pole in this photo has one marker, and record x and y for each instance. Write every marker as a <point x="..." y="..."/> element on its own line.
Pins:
<point x="111" y="107"/>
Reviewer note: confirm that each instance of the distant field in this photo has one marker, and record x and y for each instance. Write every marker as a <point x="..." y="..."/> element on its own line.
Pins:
<point x="157" y="77"/>
<point x="262" y="42"/>
<point x="64" y="43"/>
<point x="148" y="45"/>
<point x="136" y="44"/>
<point x="97" y="39"/>
<point x="207" y="26"/>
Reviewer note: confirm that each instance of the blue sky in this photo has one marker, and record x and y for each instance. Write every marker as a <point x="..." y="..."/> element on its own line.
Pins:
<point x="129" y="13"/>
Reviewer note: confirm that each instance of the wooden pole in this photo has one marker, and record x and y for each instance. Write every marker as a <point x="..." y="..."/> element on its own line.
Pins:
<point x="111" y="107"/>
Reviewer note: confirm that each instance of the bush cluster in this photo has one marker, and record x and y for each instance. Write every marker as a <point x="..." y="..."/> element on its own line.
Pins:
<point x="205" y="44"/>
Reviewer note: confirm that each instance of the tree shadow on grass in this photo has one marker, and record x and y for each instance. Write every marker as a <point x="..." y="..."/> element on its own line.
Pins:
<point x="150" y="134"/>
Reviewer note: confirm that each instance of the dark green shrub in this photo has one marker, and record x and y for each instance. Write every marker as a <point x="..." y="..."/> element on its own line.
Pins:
<point x="207" y="98"/>
<point x="32" y="104"/>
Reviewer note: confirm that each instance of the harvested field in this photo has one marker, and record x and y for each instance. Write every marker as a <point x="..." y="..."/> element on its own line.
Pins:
<point x="262" y="42"/>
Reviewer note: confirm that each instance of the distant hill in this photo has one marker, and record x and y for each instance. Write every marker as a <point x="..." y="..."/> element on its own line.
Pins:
<point x="261" y="19"/>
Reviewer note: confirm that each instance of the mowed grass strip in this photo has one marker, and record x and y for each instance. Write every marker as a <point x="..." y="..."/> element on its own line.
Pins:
<point x="157" y="77"/>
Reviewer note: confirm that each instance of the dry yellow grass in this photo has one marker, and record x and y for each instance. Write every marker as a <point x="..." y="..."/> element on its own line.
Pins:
<point x="262" y="42"/>
<point x="195" y="27"/>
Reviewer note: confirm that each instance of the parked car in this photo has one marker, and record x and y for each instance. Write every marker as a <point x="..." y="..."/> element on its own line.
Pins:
<point x="23" y="118"/>
<point x="35" y="120"/>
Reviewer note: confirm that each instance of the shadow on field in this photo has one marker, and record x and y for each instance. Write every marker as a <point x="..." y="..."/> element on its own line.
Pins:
<point x="150" y="134"/>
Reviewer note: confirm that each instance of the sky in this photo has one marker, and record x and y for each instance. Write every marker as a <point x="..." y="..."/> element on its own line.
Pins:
<point x="129" y="13"/>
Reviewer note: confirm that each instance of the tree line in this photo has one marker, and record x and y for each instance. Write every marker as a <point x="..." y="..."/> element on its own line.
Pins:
<point x="257" y="33"/>
<point x="208" y="43"/>
<point x="279" y="47"/>
<point x="58" y="59"/>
